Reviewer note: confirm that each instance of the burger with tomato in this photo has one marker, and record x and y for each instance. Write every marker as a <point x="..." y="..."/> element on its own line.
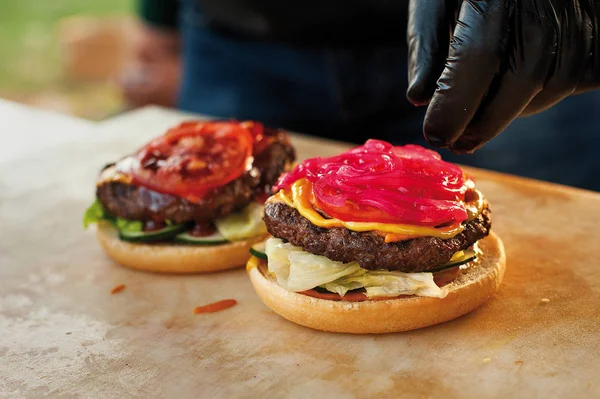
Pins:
<point x="192" y="199"/>
<point x="379" y="239"/>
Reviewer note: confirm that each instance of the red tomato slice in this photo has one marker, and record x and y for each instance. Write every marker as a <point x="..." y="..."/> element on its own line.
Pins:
<point x="193" y="158"/>
<point x="262" y="136"/>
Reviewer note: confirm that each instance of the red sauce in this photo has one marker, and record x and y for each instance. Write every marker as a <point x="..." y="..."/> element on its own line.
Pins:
<point x="446" y="276"/>
<point x="215" y="307"/>
<point x="118" y="289"/>
<point x="202" y="230"/>
<point x="261" y="196"/>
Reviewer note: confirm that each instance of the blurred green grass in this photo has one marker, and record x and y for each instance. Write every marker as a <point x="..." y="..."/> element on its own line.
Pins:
<point x="31" y="68"/>
<point x="29" y="45"/>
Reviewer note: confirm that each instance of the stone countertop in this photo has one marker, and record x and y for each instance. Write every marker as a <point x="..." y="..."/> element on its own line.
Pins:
<point x="64" y="334"/>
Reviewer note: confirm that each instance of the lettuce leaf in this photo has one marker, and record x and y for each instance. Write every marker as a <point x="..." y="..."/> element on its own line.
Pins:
<point x="297" y="270"/>
<point x="391" y="283"/>
<point x="242" y="224"/>
<point x="96" y="213"/>
<point x="130" y="226"/>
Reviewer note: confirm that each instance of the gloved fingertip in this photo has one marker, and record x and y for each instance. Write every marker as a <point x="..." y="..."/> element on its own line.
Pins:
<point x="436" y="141"/>
<point x="416" y="94"/>
<point x="434" y="134"/>
<point x="463" y="147"/>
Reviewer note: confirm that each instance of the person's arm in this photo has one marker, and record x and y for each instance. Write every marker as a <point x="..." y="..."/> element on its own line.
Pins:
<point x="505" y="59"/>
<point x="154" y="76"/>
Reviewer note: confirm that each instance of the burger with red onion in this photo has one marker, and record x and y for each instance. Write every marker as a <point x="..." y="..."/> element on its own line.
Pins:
<point x="192" y="199"/>
<point x="379" y="239"/>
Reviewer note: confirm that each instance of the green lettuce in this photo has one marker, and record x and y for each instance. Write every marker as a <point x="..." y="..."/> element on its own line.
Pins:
<point x="239" y="225"/>
<point x="297" y="270"/>
<point x="96" y="213"/>
<point x="130" y="226"/>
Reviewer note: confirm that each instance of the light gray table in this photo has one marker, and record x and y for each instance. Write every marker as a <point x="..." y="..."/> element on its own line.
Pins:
<point x="64" y="335"/>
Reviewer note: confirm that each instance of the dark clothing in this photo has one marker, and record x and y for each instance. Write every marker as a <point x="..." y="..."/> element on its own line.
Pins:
<point x="159" y="13"/>
<point x="307" y="23"/>
<point x="342" y="94"/>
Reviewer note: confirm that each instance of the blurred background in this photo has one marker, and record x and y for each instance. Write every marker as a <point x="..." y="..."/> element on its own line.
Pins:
<point x="66" y="55"/>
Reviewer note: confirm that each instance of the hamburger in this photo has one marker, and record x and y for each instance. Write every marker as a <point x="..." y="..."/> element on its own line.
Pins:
<point x="379" y="239"/>
<point x="192" y="199"/>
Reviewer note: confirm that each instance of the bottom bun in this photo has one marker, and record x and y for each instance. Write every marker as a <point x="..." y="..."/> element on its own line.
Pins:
<point x="469" y="290"/>
<point x="168" y="258"/>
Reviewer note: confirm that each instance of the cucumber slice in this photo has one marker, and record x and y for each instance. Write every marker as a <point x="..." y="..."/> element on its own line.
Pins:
<point x="258" y="250"/>
<point x="167" y="233"/>
<point x="460" y="262"/>
<point x="213" y="239"/>
<point x="242" y="224"/>
<point x="468" y="255"/>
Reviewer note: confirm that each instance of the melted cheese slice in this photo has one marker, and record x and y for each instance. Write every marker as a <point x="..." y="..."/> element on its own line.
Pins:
<point x="298" y="197"/>
<point x="112" y="175"/>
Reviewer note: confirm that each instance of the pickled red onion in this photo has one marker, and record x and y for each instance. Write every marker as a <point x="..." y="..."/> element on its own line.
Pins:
<point x="379" y="182"/>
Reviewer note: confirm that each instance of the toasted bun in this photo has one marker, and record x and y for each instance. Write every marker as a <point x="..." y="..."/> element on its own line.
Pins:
<point x="165" y="258"/>
<point x="468" y="291"/>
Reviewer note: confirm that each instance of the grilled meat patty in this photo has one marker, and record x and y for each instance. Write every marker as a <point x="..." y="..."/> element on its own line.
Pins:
<point x="369" y="249"/>
<point x="139" y="203"/>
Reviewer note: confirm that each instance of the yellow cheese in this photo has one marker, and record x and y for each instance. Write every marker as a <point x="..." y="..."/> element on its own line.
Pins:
<point x="298" y="197"/>
<point x="252" y="263"/>
<point x="112" y="175"/>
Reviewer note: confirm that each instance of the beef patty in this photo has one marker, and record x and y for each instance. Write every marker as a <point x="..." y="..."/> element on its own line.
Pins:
<point x="369" y="249"/>
<point x="139" y="203"/>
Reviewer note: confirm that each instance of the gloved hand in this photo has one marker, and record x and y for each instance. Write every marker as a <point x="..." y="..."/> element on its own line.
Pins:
<point x="505" y="58"/>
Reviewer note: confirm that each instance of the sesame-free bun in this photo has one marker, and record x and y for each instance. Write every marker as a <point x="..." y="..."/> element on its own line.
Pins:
<point x="470" y="289"/>
<point x="170" y="258"/>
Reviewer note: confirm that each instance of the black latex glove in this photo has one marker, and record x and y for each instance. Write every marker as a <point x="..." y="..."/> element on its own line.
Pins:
<point x="506" y="58"/>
